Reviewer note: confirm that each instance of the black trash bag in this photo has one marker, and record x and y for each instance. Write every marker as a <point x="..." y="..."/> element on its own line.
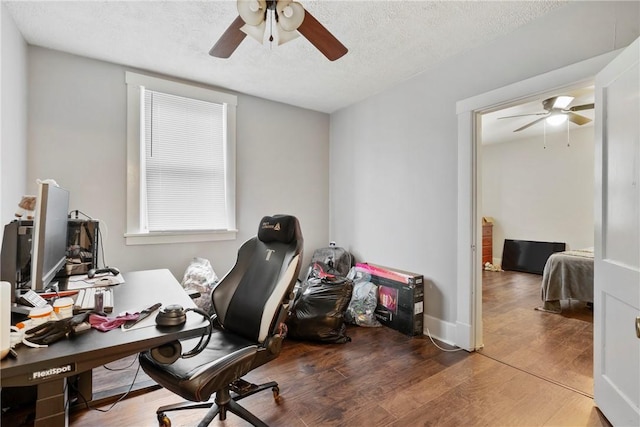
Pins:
<point x="330" y="261"/>
<point x="317" y="313"/>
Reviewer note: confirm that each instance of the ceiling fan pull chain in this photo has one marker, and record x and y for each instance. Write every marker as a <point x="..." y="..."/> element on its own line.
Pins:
<point x="273" y="18"/>
<point x="568" y="137"/>
<point x="544" y="133"/>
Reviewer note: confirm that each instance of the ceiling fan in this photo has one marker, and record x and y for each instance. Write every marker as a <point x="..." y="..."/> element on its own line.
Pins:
<point x="557" y="111"/>
<point x="285" y="19"/>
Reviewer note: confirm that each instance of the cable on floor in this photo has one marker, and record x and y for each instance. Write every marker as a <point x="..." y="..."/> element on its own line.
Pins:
<point x="443" y="349"/>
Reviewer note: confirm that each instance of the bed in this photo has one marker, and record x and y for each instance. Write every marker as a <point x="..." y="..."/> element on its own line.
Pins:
<point x="567" y="275"/>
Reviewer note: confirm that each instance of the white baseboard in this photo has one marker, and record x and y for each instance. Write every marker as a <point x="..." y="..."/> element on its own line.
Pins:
<point x="447" y="332"/>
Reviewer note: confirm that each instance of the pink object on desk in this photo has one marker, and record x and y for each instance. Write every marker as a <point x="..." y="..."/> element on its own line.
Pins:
<point x="105" y="324"/>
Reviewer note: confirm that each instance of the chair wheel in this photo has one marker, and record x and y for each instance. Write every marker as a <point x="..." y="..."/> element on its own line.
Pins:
<point x="163" y="420"/>
<point x="276" y="393"/>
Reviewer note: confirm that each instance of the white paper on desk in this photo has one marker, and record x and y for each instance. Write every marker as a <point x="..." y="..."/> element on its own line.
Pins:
<point x="144" y="323"/>
<point x="82" y="281"/>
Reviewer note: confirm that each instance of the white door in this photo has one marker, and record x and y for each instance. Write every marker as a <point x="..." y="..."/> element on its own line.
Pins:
<point x="617" y="240"/>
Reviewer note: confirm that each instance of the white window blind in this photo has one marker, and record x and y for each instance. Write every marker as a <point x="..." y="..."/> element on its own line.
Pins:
<point x="183" y="184"/>
<point x="180" y="162"/>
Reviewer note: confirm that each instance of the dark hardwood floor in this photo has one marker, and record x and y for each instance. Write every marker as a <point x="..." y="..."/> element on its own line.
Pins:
<point x="534" y="371"/>
<point x="558" y="347"/>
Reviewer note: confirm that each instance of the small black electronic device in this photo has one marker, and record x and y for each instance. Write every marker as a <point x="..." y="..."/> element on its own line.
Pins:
<point x="171" y="315"/>
<point x="175" y="315"/>
<point x="94" y="271"/>
<point x="32" y="299"/>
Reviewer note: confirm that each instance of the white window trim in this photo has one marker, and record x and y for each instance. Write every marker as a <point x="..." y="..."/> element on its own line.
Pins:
<point x="134" y="234"/>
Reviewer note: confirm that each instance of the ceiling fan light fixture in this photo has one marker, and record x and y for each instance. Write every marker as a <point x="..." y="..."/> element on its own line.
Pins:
<point x="256" y="32"/>
<point x="290" y="14"/>
<point x="562" y="102"/>
<point x="252" y="11"/>
<point x="254" y="16"/>
<point x="284" y="35"/>
<point x="556" y="119"/>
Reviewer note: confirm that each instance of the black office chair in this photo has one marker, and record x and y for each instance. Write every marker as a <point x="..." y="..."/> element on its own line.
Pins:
<point x="250" y="305"/>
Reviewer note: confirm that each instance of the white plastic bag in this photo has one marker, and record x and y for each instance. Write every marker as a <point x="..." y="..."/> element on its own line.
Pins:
<point x="364" y="299"/>
<point x="199" y="276"/>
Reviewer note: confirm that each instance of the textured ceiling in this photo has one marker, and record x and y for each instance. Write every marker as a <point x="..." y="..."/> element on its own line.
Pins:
<point x="388" y="42"/>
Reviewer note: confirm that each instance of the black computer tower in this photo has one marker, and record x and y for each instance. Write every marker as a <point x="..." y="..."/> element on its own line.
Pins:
<point x="82" y="246"/>
<point x="15" y="259"/>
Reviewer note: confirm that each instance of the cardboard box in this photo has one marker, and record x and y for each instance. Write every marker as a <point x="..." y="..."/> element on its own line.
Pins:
<point x="400" y="298"/>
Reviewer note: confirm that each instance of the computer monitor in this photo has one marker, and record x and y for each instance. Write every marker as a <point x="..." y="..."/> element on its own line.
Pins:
<point x="49" y="247"/>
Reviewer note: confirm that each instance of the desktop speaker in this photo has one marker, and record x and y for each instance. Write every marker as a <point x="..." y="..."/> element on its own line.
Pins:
<point x="5" y="318"/>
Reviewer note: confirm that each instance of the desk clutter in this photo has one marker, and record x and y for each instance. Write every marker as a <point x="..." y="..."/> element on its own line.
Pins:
<point x="67" y="316"/>
<point x="46" y="326"/>
<point x="90" y="299"/>
<point x="45" y="372"/>
<point x="90" y="280"/>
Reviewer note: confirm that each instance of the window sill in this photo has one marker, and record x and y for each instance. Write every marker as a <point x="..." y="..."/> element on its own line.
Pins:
<point x="159" y="238"/>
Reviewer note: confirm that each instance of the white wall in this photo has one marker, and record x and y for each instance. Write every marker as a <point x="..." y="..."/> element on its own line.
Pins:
<point x="13" y="118"/>
<point x="394" y="156"/>
<point x="541" y="194"/>
<point x="77" y="135"/>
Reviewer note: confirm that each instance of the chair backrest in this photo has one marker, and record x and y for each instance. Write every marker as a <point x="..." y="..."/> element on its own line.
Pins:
<point x="249" y="297"/>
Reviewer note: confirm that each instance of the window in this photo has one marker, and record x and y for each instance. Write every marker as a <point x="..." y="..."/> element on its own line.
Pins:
<point x="181" y="162"/>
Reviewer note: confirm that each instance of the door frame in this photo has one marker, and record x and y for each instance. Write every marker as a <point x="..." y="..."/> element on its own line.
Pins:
<point x="469" y="257"/>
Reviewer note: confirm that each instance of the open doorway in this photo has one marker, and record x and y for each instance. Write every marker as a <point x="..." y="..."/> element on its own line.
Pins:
<point x="468" y="325"/>
<point x="537" y="184"/>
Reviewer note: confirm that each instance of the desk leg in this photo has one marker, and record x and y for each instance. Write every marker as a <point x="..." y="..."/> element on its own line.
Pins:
<point x="85" y="385"/>
<point x="51" y="405"/>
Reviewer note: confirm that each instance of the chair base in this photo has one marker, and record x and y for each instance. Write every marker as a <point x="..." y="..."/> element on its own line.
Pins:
<point x="225" y="400"/>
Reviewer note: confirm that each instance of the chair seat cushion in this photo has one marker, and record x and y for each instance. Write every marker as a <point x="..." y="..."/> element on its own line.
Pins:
<point x="226" y="358"/>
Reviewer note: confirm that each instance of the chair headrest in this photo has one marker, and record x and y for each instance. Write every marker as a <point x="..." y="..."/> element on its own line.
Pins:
<point x="277" y="228"/>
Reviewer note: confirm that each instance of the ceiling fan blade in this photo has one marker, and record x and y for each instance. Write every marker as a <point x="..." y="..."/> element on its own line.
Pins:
<point x="229" y="41"/>
<point x="582" y="107"/>
<point x="321" y="38"/>
<point x="557" y="102"/>
<point x="525" y="115"/>
<point x="578" y="119"/>
<point x="530" y="124"/>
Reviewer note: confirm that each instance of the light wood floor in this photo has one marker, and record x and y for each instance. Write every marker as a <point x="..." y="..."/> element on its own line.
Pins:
<point x="384" y="378"/>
